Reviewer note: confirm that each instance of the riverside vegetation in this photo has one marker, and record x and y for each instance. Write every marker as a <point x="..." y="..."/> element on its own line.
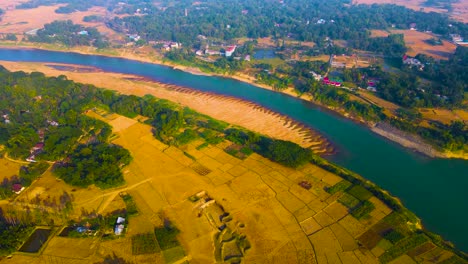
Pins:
<point x="31" y="101"/>
<point x="438" y="84"/>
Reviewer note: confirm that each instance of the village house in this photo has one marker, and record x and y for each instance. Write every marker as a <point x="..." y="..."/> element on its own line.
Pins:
<point x="412" y="62"/>
<point x="230" y="50"/>
<point x="134" y="37"/>
<point x="317" y="76"/>
<point x="17" y="188"/>
<point x="327" y="81"/>
<point x="119" y="226"/>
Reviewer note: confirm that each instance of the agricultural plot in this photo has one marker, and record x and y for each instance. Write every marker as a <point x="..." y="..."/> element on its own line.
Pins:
<point x="8" y="169"/>
<point x="257" y="211"/>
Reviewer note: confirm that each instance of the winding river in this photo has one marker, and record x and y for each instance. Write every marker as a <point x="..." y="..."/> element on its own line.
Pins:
<point x="435" y="189"/>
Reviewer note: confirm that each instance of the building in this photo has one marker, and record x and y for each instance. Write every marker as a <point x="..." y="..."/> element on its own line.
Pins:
<point x="83" y="33"/>
<point x="327" y="81"/>
<point x="412" y="62"/>
<point x="230" y="50"/>
<point x="119" y="226"/>
<point x="17" y="188"/>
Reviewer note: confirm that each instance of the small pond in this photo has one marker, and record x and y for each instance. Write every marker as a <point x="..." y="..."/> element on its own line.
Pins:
<point x="264" y="54"/>
<point x="36" y="240"/>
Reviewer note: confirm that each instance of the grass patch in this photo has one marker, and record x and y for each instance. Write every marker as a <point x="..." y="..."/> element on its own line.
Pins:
<point x="130" y="204"/>
<point x="186" y="137"/>
<point x="167" y="236"/>
<point x="202" y="146"/>
<point x="393" y="236"/>
<point x="360" y="193"/>
<point x="363" y="210"/>
<point x="193" y="198"/>
<point x="384" y="244"/>
<point x="341" y="186"/>
<point x="190" y="156"/>
<point x="348" y="200"/>
<point x="173" y="254"/>
<point x="145" y="244"/>
<point x="403" y="246"/>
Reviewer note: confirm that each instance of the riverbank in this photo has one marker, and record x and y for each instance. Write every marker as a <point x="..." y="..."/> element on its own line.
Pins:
<point x="229" y="109"/>
<point x="407" y="140"/>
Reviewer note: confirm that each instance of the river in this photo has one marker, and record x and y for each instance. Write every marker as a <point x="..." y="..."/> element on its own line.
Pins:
<point x="435" y="189"/>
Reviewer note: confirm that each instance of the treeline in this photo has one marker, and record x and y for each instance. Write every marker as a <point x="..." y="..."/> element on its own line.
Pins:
<point x="70" y="34"/>
<point x="297" y="18"/>
<point x="50" y="111"/>
<point x="70" y="7"/>
<point x="391" y="46"/>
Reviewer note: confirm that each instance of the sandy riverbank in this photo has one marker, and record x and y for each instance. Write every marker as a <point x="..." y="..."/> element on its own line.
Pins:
<point x="225" y="108"/>
<point x="413" y="142"/>
<point x="391" y="134"/>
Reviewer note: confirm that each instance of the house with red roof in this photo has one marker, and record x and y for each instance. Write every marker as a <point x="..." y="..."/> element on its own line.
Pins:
<point x="230" y="50"/>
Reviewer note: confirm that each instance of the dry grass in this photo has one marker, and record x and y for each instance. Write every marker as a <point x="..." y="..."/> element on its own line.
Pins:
<point x="387" y="105"/>
<point x="353" y="61"/>
<point x="460" y="9"/>
<point x="8" y="168"/>
<point x="415" y="41"/>
<point x="19" y="21"/>
<point x="444" y="116"/>
<point x="376" y="33"/>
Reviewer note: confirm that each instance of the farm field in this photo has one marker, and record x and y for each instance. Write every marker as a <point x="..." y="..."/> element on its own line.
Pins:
<point x="444" y="116"/>
<point x="280" y="215"/>
<point x="8" y="168"/>
<point x="415" y="41"/>
<point x="460" y="8"/>
<point x="20" y="21"/>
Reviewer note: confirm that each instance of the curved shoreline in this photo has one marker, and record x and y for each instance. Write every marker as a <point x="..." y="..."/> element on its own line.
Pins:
<point x="229" y="109"/>
<point x="402" y="138"/>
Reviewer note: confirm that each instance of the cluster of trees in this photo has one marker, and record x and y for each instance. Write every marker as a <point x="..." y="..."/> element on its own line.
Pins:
<point x="31" y="102"/>
<point x="70" y="34"/>
<point x="97" y="164"/>
<point x="251" y="18"/>
<point x="284" y="152"/>
<point x="391" y="46"/>
<point x="72" y="5"/>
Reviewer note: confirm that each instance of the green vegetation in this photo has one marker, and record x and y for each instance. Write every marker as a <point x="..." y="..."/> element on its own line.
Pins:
<point x="403" y="246"/>
<point x="67" y="33"/>
<point x="144" y="244"/>
<point x="393" y="236"/>
<point x="363" y="210"/>
<point x="167" y="235"/>
<point x="283" y="152"/>
<point x="173" y="254"/>
<point x="12" y="236"/>
<point x="349" y="201"/>
<point x="340" y="186"/>
<point x="130" y="204"/>
<point x="94" y="164"/>
<point x="360" y="193"/>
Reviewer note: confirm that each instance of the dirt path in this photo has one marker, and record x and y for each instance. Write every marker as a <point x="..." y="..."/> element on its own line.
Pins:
<point x="112" y="195"/>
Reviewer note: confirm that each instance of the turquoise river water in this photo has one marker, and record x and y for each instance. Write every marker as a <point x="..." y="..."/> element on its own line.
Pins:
<point x="435" y="189"/>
